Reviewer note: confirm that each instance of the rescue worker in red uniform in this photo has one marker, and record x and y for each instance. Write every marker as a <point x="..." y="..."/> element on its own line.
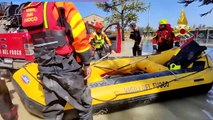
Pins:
<point x="57" y="31"/>
<point x="98" y="40"/>
<point x="7" y="110"/>
<point x="164" y="37"/>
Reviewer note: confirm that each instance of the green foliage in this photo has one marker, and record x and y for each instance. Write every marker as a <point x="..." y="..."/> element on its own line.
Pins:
<point x="203" y="2"/>
<point x="149" y="29"/>
<point x="128" y="9"/>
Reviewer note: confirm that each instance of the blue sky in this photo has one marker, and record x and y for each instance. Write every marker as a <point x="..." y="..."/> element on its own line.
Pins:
<point x="168" y="9"/>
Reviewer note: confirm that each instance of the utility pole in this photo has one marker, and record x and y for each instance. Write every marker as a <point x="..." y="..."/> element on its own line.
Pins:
<point x="148" y="14"/>
<point x="122" y="18"/>
<point x="148" y="27"/>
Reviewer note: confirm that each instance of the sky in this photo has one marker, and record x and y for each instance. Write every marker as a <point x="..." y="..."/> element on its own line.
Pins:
<point x="160" y="9"/>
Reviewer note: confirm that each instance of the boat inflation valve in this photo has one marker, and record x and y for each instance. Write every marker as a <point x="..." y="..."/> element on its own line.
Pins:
<point x="173" y="66"/>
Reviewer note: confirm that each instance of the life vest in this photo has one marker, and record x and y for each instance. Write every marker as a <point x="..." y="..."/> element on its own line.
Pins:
<point x="45" y="30"/>
<point x="98" y="41"/>
<point x="165" y="36"/>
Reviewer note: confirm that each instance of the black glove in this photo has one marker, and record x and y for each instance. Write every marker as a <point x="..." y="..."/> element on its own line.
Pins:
<point x="110" y="49"/>
<point x="106" y="47"/>
<point x="177" y="44"/>
<point x="154" y="47"/>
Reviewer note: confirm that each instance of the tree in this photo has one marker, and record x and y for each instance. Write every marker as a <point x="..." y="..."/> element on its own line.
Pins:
<point x="203" y="26"/>
<point x="200" y="26"/>
<point x="148" y="30"/>
<point x="203" y="2"/>
<point x="123" y="11"/>
<point x="194" y="26"/>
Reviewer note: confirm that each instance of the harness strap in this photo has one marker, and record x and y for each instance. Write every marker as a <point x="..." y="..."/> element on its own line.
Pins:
<point x="50" y="39"/>
<point x="62" y="22"/>
<point x="45" y="15"/>
<point x="48" y="33"/>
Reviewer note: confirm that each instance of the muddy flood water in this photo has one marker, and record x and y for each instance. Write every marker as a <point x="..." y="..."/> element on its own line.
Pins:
<point x="198" y="107"/>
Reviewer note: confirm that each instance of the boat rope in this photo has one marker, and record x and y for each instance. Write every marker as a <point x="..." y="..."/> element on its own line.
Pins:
<point x="118" y="57"/>
<point x="36" y="79"/>
<point x="176" y="77"/>
<point x="115" y="70"/>
<point x="173" y="80"/>
<point x="102" y="67"/>
<point x="209" y="52"/>
<point x="118" y="94"/>
<point x="100" y="112"/>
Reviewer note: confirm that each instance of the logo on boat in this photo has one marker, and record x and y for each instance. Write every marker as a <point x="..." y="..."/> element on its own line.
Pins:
<point x="25" y="79"/>
<point x="161" y="84"/>
<point x="145" y="87"/>
<point x="134" y="89"/>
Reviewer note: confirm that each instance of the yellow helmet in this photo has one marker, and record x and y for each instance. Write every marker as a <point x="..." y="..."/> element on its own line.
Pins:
<point x="163" y="22"/>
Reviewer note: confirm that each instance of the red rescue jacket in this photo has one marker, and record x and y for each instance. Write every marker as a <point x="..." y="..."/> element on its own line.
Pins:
<point x="54" y="24"/>
<point x="164" y="36"/>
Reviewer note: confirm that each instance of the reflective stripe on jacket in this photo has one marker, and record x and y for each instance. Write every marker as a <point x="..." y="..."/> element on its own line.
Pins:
<point x="51" y="17"/>
<point x="98" y="40"/>
<point x="48" y="19"/>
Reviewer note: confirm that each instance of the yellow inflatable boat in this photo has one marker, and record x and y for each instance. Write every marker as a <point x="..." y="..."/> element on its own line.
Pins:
<point x="121" y="82"/>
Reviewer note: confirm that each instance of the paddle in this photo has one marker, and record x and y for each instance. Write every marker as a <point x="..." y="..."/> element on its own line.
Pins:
<point x="101" y="58"/>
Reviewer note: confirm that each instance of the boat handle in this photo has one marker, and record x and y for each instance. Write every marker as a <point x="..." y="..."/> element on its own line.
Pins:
<point x="198" y="80"/>
<point x="2" y="39"/>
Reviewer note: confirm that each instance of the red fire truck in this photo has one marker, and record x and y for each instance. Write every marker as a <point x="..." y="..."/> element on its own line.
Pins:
<point x="16" y="48"/>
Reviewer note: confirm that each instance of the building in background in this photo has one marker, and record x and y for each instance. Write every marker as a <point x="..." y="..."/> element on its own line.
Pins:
<point x="3" y="6"/>
<point x="93" y="18"/>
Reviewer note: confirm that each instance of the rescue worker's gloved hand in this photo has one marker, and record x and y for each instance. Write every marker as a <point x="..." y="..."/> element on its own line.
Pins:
<point x="86" y="58"/>
<point x="110" y="48"/>
<point x="177" y="44"/>
<point x="154" y="49"/>
<point x="87" y="71"/>
<point x="111" y="51"/>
